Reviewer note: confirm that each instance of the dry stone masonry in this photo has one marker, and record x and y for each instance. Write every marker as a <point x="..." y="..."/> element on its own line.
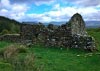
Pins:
<point x="70" y="35"/>
<point x="77" y="25"/>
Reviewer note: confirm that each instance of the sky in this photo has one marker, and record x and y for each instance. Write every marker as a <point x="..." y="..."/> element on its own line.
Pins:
<point x="49" y="10"/>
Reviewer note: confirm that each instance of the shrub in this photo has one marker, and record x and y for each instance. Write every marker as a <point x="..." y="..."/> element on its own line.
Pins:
<point x="10" y="51"/>
<point x="4" y="32"/>
<point x="22" y="49"/>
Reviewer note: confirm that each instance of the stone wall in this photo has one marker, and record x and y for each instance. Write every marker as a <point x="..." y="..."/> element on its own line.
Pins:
<point x="71" y="35"/>
<point x="26" y="31"/>
<point x="10" y="37"/>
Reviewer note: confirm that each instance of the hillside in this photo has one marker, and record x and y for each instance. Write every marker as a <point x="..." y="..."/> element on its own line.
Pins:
<point x="8" y="25"/>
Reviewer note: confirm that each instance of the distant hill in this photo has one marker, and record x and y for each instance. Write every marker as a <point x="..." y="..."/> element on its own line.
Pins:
<point x="58" y="23"/>
<point x="92" y="24"/>
<point x="8" y="25"/>
<point x="29" y="22"/>
<point x="89" y="24"/>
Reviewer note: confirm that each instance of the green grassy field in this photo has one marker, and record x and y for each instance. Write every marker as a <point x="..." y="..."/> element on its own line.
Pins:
<point x="52" y="59"/>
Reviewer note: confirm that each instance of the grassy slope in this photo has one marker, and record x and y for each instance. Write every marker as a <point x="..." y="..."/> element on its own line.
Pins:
<point x="55" y="59"/>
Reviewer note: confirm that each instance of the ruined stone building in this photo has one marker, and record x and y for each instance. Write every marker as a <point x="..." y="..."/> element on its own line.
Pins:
<point x="72" y="34"/>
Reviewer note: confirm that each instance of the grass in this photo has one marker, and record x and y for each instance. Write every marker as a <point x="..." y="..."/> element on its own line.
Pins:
<point x="5" y="66"/>
<point x="4" y="44"/>
<point x="96" y="34"/>
<point x="17" y="58"/>
<point x="65" y="60"/>
<point x="41" y="58"/>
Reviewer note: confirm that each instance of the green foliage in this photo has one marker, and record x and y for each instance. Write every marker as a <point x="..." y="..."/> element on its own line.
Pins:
<point x="96" y="34"/>
<point x="4" y="31"/>
<point x="10" y="25"/>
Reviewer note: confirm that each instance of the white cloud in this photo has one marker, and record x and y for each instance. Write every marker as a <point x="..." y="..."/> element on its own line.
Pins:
<point x="56" y="7"/>
<point x="46" y="2"/>
<point x="84" y="3"/>
<point x="5" y="4"/>
<point x="36" y="2"/>
<point x="58" y="13"/>
<point x="19" y="8"/>
<point x="13" y="11"/>
<point x="4" y="10"/>
<point x="37" y="17"/>
<point x="64" y="14"/>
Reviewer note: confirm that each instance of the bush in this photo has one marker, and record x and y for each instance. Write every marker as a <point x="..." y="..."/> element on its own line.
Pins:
<point x="4" y="32"/>
<point x="12" y="50"/>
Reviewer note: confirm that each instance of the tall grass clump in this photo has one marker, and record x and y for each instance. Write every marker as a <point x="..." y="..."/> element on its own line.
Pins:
<point x="24" y="63"/>
<point x="19" y="57"/>
<point x="11" y="51"/>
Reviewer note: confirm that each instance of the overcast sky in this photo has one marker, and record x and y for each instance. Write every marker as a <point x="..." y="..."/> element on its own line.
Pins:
<point x="49" y="10"/>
